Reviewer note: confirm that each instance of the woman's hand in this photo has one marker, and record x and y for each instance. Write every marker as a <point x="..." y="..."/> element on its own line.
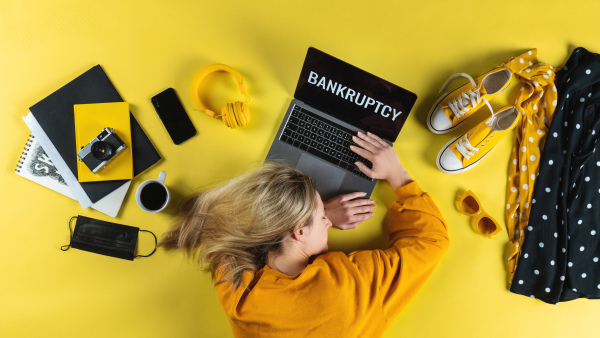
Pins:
<point x="348" y="211"/>
<point x="386" y="164"/>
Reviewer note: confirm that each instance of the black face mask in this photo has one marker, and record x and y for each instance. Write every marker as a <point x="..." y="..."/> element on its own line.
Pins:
<point x="105" y="238"/>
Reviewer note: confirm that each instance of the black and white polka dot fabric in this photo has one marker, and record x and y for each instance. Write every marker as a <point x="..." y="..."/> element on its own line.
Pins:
<point x="560" y="258"/>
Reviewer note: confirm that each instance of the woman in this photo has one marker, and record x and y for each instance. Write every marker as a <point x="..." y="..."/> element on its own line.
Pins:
<point x="263" y="236"/>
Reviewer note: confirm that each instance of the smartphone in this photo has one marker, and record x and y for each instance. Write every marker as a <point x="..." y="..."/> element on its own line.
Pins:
<point x="173" y="116"/>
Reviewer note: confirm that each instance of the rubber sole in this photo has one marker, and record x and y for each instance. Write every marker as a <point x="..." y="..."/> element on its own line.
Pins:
<point x="458" y="171"/>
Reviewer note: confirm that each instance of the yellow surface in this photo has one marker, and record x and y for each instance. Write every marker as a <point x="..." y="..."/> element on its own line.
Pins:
<point x="90" y="119"/>
<point x="147" y="46"/>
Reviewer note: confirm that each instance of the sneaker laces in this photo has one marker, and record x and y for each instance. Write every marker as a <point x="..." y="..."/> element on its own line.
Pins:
<point x="465" y="148"/>
<point x="460" y="104"/>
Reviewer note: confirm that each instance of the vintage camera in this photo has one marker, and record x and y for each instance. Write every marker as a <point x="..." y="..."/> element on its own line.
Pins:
<point x="101" y="150"/>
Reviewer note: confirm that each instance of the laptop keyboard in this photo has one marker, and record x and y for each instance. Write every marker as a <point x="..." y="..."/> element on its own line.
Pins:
<point x="324" y="139"/>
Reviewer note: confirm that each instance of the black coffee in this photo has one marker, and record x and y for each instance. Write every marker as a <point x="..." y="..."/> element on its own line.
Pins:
<point x="153" y="196"/>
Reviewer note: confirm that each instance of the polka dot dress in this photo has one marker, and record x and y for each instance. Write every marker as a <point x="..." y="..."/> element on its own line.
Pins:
<point x="560" y="256"/>
<point x="537" y="100"/>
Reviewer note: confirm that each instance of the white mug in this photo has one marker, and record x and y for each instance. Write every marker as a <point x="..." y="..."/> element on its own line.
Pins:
<point x="153" y="195"/>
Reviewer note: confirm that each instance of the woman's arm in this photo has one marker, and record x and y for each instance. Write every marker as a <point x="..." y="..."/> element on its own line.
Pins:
<point x="418" y="233"/>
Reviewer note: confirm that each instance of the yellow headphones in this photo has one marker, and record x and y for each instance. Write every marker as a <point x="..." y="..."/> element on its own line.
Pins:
<point x="234" y="114"/>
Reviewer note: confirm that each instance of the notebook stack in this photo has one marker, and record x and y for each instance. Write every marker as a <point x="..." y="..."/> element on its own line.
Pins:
<point x="55" y="143"/>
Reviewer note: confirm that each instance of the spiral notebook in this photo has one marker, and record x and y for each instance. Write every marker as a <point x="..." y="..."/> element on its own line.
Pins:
<point x="35" y="165"/>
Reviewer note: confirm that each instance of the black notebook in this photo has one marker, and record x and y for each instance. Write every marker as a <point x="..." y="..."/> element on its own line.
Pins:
<point x="55" y="115"/>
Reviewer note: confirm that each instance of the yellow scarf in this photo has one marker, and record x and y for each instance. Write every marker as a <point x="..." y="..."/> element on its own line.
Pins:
<point x="537" y="101"/>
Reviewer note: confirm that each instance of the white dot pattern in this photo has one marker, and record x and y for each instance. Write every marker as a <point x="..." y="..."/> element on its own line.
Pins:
<point x="562" y="238"/>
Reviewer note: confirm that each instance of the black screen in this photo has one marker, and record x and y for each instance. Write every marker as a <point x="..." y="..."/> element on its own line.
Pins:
<point x="353" y="95"/>
<point x="173" y="116"/>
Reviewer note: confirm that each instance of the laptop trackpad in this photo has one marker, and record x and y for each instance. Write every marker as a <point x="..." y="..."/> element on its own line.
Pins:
<point x="328" y="178"/>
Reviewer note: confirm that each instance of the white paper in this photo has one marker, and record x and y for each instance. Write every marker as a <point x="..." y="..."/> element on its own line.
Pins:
<point x="58" y="161"/>
<point x="109" y="204"/>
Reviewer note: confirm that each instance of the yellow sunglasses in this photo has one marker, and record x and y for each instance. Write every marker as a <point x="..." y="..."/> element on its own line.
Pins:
<point x="481" y="221"/>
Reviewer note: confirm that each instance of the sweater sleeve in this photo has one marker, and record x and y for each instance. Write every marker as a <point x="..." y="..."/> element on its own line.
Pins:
<point x="418" y="239"/>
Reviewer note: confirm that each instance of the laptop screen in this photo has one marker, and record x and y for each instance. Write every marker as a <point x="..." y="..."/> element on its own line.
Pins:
<point x="349" y="93"/>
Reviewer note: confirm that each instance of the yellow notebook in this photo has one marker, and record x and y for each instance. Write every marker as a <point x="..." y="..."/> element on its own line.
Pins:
<point x="90" y="120"/>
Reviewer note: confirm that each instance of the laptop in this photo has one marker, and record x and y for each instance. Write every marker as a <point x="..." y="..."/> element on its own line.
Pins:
<point x="333" y="101"/>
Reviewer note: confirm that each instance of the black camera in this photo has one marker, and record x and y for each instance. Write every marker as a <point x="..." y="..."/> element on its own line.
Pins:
<point x="101" y="150"/>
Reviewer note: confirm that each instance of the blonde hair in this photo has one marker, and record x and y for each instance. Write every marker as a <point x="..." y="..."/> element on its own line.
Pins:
<point x="231" y="228"/>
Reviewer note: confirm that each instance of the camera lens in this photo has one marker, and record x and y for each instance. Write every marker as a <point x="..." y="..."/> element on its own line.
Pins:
<point x="101" y="150"/>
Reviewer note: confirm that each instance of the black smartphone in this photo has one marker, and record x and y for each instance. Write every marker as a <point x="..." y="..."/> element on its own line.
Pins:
<point x="173" y="116"/>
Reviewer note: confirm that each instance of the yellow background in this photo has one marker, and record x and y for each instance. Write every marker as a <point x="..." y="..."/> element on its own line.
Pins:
<point x="147" y="46"/>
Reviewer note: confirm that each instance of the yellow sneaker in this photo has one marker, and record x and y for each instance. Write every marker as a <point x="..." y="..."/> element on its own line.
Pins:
<point x="452" y="108"/>
<point x="465" y="151"/>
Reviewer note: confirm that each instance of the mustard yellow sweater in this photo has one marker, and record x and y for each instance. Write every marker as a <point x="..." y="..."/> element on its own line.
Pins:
<point x="338" y="295"/>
